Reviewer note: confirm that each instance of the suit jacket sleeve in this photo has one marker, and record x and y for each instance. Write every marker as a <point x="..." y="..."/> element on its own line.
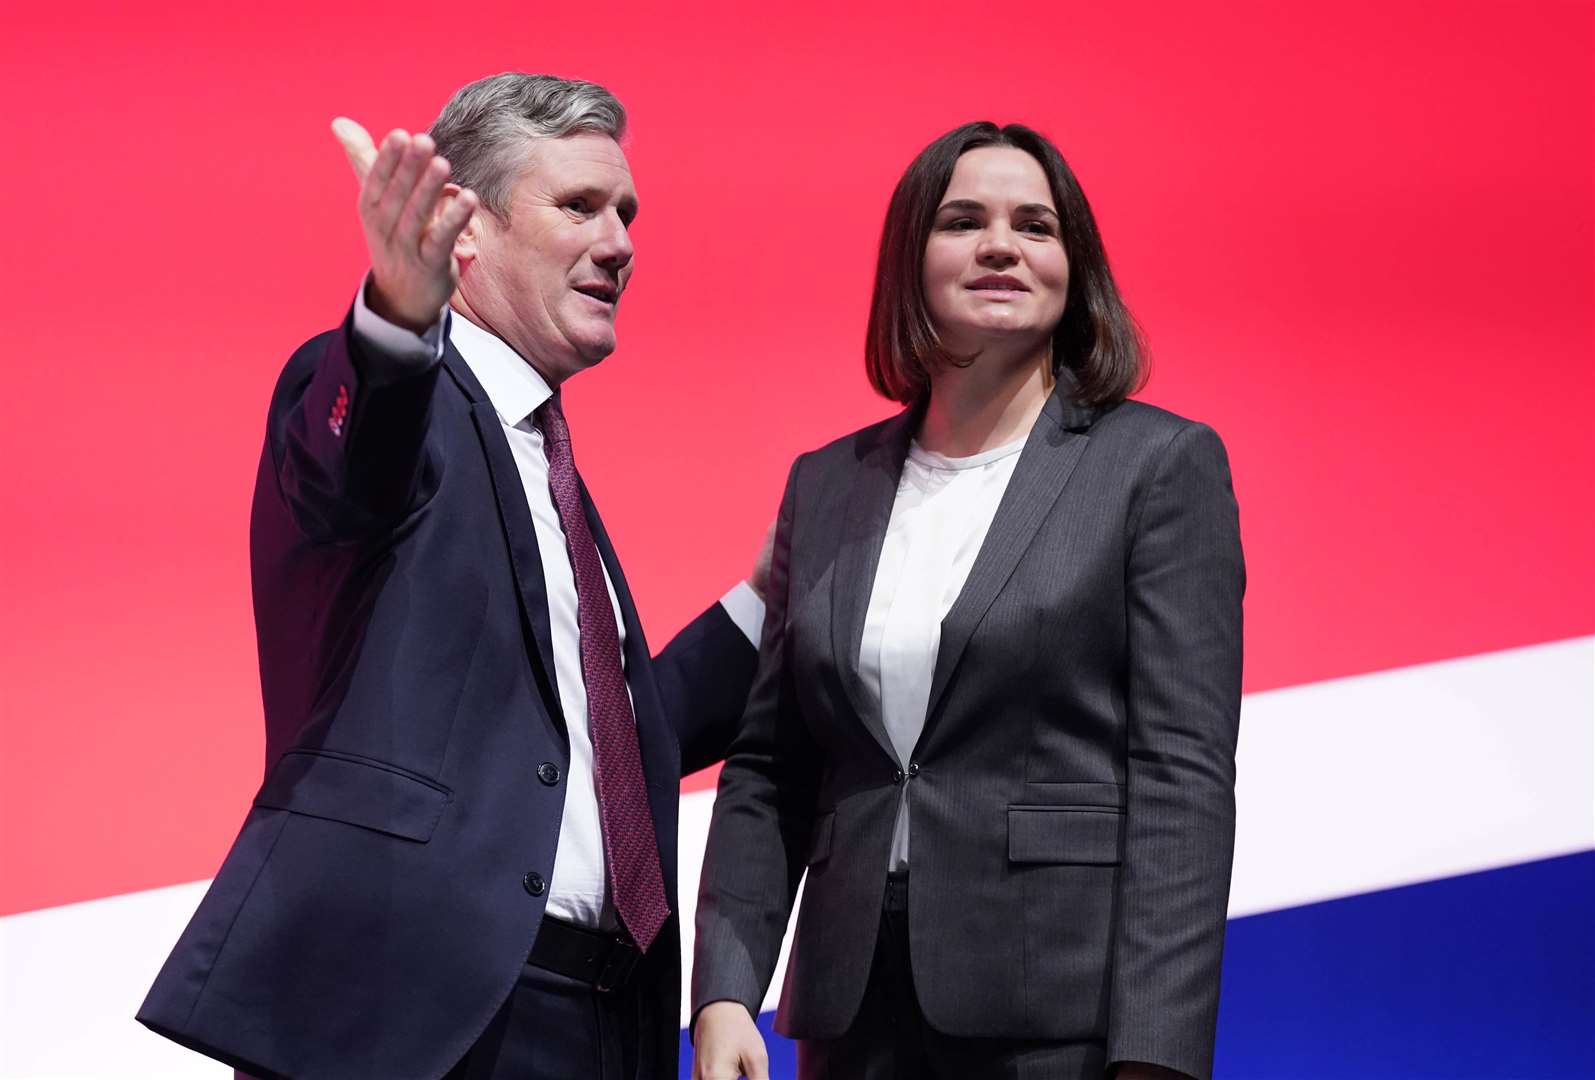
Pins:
<point x="763" y="814"/>
<point x="348" y="442"/>
<point x="1185" y="577"/>
<point x="703" y="676"/>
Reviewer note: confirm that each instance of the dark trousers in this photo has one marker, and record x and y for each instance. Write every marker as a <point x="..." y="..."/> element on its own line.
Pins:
<point x="555" y="1028"/>
<point x="890" y="1040"/>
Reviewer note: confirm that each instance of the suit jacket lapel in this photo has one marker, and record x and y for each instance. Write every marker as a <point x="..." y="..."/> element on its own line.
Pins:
<point x="525" y="559"/>
<point x="656" y="732"/>
<point x="1049" y="456"/>
<point x="869" y="511"/>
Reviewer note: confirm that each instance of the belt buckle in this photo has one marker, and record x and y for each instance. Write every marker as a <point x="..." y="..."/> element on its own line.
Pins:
<point x="619" y="962"/>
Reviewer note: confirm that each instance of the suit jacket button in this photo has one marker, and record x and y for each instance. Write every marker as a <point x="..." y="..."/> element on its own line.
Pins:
<point x="534" y="883"/>
<point x="548" y="773"/>
<point x="913" y="768"/>
<point x="897" y="776"/>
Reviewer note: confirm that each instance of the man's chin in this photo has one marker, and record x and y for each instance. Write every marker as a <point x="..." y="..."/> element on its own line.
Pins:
<point x="593" y="357"/>
<point x="595" y="348"/>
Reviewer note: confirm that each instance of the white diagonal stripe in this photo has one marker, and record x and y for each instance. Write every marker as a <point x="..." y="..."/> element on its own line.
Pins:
<point x="1346" y="786"/>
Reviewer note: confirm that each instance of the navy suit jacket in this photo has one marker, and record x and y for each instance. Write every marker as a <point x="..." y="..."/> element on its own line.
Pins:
<point x="390" y="876"/>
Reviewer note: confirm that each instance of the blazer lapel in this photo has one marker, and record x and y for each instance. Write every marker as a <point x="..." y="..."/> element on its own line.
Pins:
<point x="869" y="511"/>
<point x="525" y="559"/>
<point x="656" y="732"/>
<point x="1049" y="456"/>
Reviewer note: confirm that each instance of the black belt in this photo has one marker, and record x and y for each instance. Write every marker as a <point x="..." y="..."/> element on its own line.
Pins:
<point x="896" y="891"/>
<point x="603" y="961"/>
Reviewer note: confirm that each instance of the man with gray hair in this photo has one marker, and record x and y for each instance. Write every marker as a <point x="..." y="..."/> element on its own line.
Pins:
<point x="462" y="861"/>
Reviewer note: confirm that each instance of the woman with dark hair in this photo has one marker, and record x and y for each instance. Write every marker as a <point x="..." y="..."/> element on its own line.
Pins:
<point x="999" y="685"/>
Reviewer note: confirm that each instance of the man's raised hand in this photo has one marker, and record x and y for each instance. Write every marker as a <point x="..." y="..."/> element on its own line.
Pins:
<point x="412" y="216"/>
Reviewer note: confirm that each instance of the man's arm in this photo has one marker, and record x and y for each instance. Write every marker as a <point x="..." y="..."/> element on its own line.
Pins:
<point x="704" y="675"/>
<point x="348" y="442"/>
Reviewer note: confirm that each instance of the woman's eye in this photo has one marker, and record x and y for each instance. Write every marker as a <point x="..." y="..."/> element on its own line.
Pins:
<point x="961" y="224"/>
<point x="1040" y="228"/>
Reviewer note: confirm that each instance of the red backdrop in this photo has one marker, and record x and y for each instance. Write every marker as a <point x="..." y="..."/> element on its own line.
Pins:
<point x="1359" y="237"/>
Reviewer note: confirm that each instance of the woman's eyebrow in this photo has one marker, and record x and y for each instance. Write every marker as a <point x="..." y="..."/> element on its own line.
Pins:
<point x="972" y="205"/>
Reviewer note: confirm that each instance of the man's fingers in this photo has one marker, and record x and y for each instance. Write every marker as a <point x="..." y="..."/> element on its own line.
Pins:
<point x="406" y="173"/>
<point x="422" y="204"/>
<point x="385" y="216"/>
<point x="394" y="147"/>
<point x="438" y="242"/>
<point x="357" y="144"/>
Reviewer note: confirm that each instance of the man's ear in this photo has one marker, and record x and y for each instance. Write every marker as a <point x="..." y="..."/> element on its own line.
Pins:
<point x="465" y="245"/>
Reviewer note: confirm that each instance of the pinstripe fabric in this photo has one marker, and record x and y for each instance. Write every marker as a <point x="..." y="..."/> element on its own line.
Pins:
<point x="1073" y="803"/>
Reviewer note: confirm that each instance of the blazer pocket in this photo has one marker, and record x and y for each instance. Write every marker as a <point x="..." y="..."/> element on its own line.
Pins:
<point x="1065" y="834"/>
<point x="820" y="844"/>
<point x="356" y="791"/>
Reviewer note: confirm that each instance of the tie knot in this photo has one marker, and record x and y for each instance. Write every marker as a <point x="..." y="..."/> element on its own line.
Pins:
<point x="551" y="421"/>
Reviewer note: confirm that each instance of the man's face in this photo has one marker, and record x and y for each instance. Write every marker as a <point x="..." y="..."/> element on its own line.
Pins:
<point x="549" y="278"/>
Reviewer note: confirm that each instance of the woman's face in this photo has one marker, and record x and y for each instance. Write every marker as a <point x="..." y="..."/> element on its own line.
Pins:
<point x="995" y="268"/>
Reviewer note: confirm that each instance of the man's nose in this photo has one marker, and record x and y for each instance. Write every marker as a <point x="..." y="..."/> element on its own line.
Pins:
<point x="613" y="249"/>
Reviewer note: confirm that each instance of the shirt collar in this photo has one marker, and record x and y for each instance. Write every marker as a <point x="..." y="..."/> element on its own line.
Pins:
<point x="512" y="385"/>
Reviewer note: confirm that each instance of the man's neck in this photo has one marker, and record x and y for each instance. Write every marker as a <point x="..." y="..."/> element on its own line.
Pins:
<point x="462" y="308"/>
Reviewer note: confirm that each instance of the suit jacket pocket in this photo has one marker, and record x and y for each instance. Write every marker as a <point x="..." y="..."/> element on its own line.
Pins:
<point x="1065" y="834"/>
<point x="356" y="791"/>
<point x="820" y="844"/>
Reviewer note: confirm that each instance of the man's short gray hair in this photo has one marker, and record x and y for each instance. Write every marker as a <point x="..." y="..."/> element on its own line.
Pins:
<point x="484" y="127"/>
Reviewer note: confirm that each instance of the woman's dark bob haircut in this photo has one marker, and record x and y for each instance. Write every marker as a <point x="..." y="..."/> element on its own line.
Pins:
<point x="1097" y="339"/>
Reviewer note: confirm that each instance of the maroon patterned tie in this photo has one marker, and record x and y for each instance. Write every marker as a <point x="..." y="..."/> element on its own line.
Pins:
<point x="630" y="849"/>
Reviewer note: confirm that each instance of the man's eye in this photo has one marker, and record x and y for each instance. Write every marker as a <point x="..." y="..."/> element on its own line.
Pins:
<point x="578" y="206"/>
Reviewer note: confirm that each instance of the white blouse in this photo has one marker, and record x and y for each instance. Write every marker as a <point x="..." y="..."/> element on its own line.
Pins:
<point x="939" y="520"/>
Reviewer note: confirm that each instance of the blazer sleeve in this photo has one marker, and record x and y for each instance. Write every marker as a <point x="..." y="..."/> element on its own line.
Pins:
<point x="348" y="442"/>
<point x="704" y="675"/>
<point x="1185" y="577"/>
<point x="763" y="813"/>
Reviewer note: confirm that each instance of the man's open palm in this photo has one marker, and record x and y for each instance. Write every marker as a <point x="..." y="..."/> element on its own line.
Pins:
<point x="412" y="217"/>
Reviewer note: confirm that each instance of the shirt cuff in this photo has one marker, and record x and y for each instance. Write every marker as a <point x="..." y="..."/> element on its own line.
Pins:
<point x="394" y="351"/>
<point x="746" y="610"/>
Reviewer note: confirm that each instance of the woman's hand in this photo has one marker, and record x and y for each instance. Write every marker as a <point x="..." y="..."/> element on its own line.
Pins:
<point x="728" y="1045"/>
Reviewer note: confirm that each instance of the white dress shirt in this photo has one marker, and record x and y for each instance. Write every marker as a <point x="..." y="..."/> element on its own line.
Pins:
<point x="943" y="508"/>
<point x="577" y="890"/>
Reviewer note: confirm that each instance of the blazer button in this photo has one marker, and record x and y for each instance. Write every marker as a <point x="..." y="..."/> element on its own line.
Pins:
<point x="548" y="773"/>
<point x="897" y="776"/>
<point x="913" y="768"/>
<point x="534" y="883"/>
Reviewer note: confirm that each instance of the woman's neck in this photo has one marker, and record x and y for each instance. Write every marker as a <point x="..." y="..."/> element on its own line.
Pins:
<point x="985" y="405"/>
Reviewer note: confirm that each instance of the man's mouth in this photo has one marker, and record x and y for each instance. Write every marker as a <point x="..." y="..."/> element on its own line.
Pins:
<point x="606" y="294"/>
